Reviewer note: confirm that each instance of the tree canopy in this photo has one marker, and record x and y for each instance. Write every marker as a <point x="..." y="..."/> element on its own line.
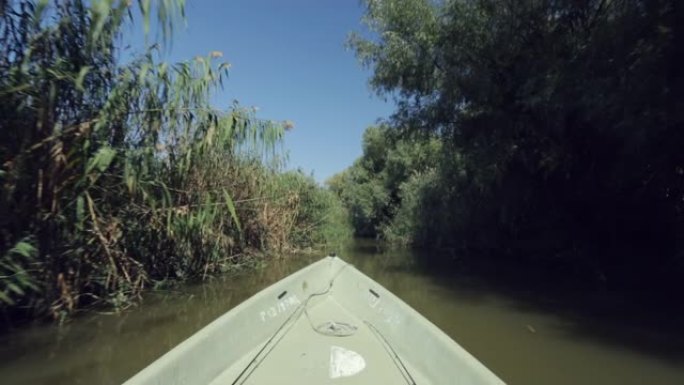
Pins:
<point x="560" y="121"/>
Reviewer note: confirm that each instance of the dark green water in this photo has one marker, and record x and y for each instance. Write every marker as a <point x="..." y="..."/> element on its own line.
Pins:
<point x="526" y="336"/>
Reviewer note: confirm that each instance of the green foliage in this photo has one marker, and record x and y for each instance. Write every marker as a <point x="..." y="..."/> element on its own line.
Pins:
<point x="559" y="122"/>
<point x="414" y="219"/>
<point x="371" y="187"/>
<point x="15" y="280"/>
<point x="116" y="175"/>
<point x="320" y="219"/>
<point x="365" y="199"/>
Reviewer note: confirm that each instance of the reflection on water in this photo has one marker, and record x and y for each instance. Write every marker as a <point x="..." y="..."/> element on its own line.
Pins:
<point x="521" y="335"/>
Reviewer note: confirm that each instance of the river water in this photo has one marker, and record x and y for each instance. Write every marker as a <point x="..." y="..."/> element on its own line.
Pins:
<point x="524" y="335"/>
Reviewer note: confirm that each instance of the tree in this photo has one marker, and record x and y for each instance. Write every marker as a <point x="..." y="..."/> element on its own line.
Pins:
<point x="563" y="115"/>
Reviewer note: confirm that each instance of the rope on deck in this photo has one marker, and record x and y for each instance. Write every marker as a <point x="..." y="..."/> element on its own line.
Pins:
<point x="335" y="329"/>
<point x="291" y="320"/>
<point x="330" y="328"/>
<point x="393" y="354"/>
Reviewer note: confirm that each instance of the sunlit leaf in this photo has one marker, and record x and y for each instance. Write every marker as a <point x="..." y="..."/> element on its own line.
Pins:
<point x="81" y="77"/>
<point x="6" y="298"/>
<point x="23" y="248"/>
<point x="80" y="211"/>
<point x="231" y="209"/>
<point x="101" y="160"/>
<point x="100" y="12"/>
<point x="14" y="288"/>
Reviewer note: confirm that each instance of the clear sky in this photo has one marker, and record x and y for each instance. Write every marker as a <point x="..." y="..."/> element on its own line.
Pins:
<point x="289" y="59"/>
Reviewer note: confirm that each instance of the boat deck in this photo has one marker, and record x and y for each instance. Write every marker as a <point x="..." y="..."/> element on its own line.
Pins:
<point x="325" y="324"/>
<point x="299" y="354"/>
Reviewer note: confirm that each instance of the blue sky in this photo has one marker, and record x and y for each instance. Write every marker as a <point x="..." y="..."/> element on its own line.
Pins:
<point x="289" y="59"/>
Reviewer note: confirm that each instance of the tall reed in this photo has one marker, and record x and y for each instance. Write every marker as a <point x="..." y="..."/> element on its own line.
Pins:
<point x="114" y="176"/>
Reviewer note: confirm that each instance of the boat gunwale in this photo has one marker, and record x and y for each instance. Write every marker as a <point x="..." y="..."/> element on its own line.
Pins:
<point x="148" y="372"/>
<point x="336" y="268"/>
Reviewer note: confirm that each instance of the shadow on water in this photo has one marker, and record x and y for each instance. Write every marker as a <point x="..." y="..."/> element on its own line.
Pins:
<point x="648" y="322"/>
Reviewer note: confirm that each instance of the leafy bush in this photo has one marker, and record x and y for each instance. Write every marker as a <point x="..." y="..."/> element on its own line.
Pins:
<point x="320" y="218"/>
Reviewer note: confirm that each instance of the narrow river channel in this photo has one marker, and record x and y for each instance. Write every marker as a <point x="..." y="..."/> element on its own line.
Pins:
<point x="524" y="336"/>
